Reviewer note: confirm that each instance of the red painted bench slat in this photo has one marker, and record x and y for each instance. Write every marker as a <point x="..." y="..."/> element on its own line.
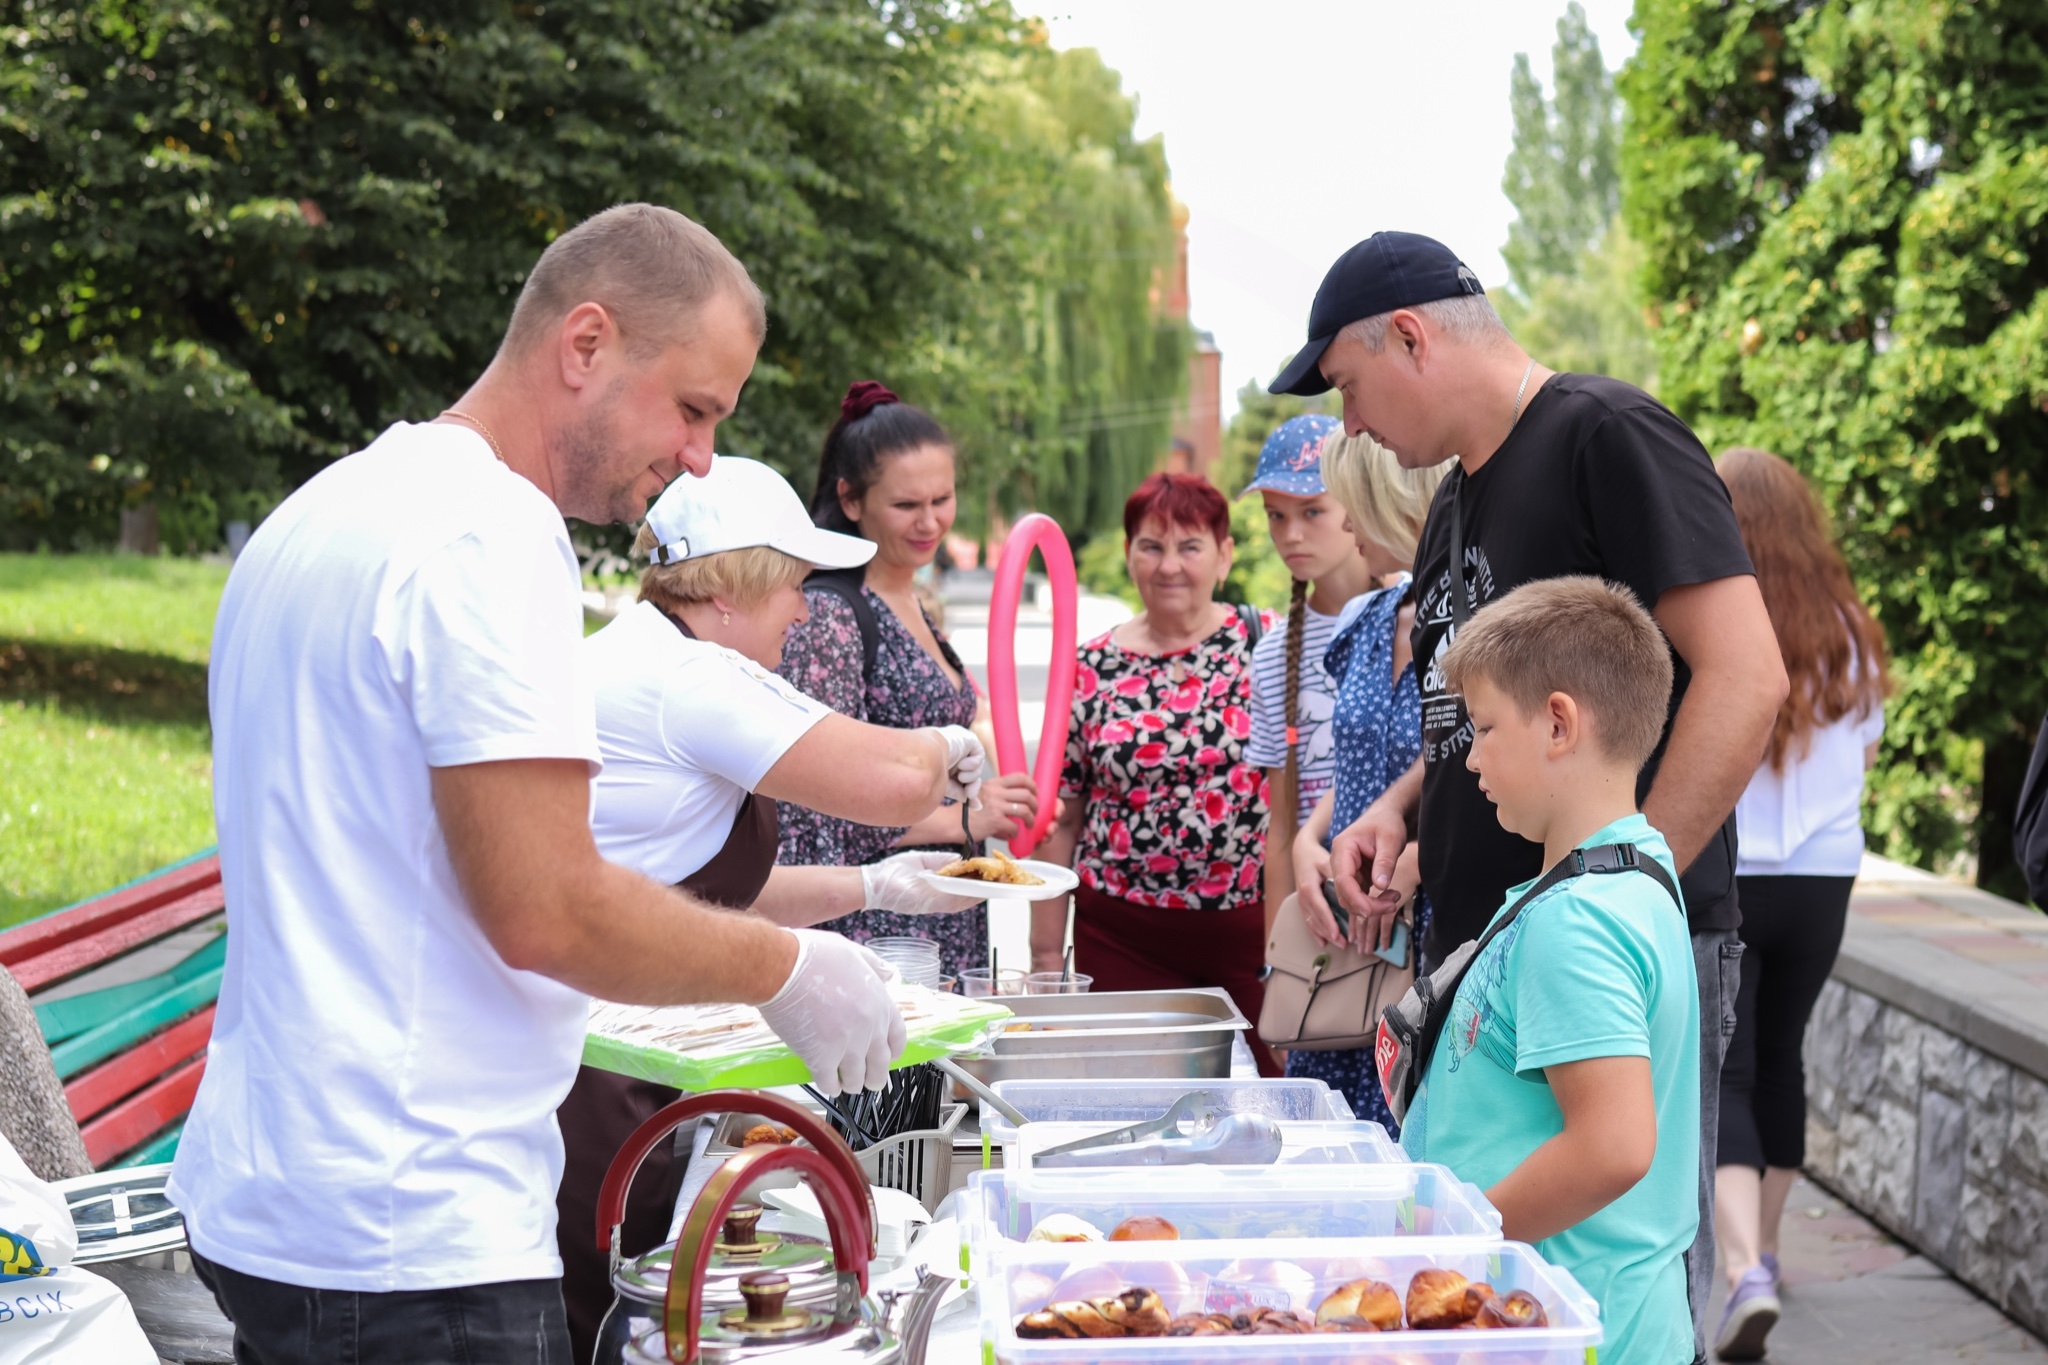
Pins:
<point x="78" y="955"/>
<point x="109" y="1082"/>
<point x="40" y="936"/>
<point x="128" y="1123"/>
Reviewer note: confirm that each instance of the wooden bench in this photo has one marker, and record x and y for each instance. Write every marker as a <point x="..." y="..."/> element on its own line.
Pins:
<point x="124" y="986"/>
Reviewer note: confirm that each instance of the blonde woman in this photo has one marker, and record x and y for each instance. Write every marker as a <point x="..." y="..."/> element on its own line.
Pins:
<point x="1377" y="723"/>
<point x="700" y="740"/>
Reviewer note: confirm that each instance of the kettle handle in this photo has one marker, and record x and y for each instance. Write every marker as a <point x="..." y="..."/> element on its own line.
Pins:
<point x="841" y="1202"/>
<point x="618" y="1177"/>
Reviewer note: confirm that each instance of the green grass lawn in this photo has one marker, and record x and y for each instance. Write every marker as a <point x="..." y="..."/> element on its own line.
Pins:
<point x="103" y="735"/>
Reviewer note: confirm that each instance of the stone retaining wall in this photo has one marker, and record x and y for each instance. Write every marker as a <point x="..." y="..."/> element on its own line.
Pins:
<point x="1927" y="1086"/>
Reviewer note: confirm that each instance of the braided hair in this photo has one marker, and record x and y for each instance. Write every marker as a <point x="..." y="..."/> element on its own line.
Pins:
<point x="1285" y="802"/>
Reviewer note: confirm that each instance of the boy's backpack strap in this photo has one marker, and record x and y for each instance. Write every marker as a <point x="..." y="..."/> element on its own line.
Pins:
<point x="1436" y="991"/>
<point x="1254" y="624"/>
<point x="847" y="585"/>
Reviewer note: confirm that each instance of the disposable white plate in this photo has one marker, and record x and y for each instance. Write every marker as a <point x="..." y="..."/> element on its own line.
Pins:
<point x="1058" y="882"/>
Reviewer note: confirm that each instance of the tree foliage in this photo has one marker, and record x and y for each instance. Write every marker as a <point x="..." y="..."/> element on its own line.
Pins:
<point x="1572" y="296"/>
<point x="238" y="239"/>
<point x="1842" y="210"/>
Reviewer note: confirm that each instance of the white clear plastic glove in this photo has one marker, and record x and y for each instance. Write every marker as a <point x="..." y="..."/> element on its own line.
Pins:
<point x="965" y="760"/>
<point x="834" y="1011"/>
<point x="897" y="883"/>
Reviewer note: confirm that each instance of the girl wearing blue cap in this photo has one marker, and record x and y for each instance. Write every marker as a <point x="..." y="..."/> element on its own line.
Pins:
<point x="1293" y="699"/>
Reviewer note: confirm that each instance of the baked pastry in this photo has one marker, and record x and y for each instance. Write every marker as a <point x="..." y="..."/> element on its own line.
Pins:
<point x="1133" y="1313"/>
<point x="1144" y="1227"/>
<point x="1200" y="1325"/>
<point x="768" y="1135"/>
<point x="1373" y="1300"/>
<point x="1064" y="1227"/>
<point x="1345" y="1324"/>
<point x="1140" y="1312"/>
<point x="1518" y="1308"/>
<point x="996" y="866"/>
<point x="1442" y="1299"/>
<point x="1266" y="1322"/>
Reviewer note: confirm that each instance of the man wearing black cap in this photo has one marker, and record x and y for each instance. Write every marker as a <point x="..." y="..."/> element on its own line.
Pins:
<point x="1557" y="474"/>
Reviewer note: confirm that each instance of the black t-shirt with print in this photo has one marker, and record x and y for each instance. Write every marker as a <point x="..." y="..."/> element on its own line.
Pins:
<point x="1597" y="478"/>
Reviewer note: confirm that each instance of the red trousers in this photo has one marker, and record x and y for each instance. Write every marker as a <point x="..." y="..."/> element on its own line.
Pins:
<point x="1128" y="947"/>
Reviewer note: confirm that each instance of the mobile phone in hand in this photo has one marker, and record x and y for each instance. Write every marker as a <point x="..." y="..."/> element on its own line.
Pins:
<point x="1337" y="910"/>
<point x="1396" y="950"/>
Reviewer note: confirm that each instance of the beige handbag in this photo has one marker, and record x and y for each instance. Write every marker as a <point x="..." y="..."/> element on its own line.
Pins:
<point x="1320" y="998"/>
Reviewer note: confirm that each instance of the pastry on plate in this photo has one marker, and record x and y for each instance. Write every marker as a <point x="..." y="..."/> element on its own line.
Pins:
<point x="768" y="1135"/>
<point x="995" y="866"/>
<point x="1373" y="1300"/>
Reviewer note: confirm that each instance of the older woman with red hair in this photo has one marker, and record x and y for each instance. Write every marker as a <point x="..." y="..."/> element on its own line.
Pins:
<point x="1162" y="817"/>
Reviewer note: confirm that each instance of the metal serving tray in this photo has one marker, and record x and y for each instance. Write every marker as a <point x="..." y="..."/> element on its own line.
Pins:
<point x="1182" y="1034"/>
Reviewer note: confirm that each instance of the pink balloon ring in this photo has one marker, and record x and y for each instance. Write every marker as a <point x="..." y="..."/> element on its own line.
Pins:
<point x="1035" y="532"/>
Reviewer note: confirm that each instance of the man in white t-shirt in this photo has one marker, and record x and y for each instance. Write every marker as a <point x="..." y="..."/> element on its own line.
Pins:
<point x="403" y="754"/>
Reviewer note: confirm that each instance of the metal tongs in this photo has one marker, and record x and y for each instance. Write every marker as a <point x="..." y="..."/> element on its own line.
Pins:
<point x="1203" y="1108"/>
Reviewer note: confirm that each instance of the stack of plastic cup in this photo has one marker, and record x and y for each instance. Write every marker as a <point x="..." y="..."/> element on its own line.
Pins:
<point x="915" y="959"/>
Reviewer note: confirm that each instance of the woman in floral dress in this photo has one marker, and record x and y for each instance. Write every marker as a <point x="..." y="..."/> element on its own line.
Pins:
<point x="1377" y="723"/>
<point x="886" y="474"/>
<point x="1163" y="818"/>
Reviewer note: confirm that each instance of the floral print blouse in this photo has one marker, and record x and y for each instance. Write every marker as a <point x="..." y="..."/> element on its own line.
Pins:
<point x="823" y="658"/>
<point x="1175" y="818"/>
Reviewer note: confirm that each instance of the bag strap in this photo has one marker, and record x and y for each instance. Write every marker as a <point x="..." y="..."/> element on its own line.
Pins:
<point x="843" y="585"/>
<point x="1461" y="609"/>
<point x="1254" y="624"/>
<point x="1604" y="859"/>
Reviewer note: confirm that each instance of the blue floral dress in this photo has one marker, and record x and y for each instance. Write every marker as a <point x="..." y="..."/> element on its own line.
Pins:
<point x="1378" y="725"/>
<point x="823" y="658"/>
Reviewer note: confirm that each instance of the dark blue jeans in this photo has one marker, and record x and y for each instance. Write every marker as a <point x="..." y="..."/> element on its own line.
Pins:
<point x="519" y="1322"/>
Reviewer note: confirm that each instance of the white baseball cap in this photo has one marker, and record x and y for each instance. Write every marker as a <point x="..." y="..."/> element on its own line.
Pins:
<point x="738" y="504"/>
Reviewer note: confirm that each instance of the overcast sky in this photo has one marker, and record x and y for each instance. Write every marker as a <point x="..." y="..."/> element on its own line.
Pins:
<point x="1294" y="128"/>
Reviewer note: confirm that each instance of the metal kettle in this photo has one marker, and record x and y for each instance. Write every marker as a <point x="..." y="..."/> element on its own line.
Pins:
<point x="640" y="1286"/>
<point x="851" y="1330"/>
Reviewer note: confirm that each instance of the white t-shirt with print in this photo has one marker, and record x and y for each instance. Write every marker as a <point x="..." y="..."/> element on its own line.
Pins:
<point x="378" y="1106"/>
<point x="687" y="728"/>
<point x="1316" y="759"/>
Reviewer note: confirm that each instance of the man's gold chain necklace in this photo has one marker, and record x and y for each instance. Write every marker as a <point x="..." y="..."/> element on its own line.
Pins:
<point x="482" y="430"/>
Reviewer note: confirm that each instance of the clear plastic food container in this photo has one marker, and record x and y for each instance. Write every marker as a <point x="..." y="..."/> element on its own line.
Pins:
<point x="1295" y="1273"/>
<point x="1237" y="1202"/>
<point x="1117" y="1102"/>
<point x="1314" y="1142"/>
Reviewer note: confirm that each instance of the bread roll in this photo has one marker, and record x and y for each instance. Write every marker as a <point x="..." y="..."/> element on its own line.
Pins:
<point x="1074" y="1318"/>
<point x="1144" y="1227"/>
<point x="1517" y="1309"/>
<point x="1140" y="1312"/>
<point x="1439" y="1299"/>
<point x="1373" y="1300"/>
<point x="1064" y="1227"/>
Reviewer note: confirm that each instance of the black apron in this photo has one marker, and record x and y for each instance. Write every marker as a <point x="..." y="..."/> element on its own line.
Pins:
<point x="603" y="1107"/>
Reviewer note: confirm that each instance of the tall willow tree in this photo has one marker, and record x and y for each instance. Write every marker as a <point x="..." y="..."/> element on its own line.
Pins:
<point x="1844" y="210"/>
<point x="1061" y="390"/>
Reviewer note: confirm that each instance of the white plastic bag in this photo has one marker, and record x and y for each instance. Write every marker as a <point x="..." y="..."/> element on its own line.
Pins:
<point x="51" y="1311"/>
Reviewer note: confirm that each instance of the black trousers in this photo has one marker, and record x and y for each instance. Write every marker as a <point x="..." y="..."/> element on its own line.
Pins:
<point x="1791" y="931"/>
<point x="519" y="1322"/>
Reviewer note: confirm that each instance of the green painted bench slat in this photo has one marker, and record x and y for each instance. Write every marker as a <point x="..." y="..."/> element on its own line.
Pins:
<point x="97" y="1044"/>
<point x="73" y="1015"/>
<point x="162" y="1147"/>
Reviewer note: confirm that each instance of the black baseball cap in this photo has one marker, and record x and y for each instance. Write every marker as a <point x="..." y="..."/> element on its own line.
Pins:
<point x="1387" y="270"/>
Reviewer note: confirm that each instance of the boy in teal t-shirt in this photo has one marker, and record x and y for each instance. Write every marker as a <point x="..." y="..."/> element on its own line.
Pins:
<point x="1566" y="1080"/>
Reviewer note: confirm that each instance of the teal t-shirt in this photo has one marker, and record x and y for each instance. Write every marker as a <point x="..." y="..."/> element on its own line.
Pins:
<point x="1599" y="966"/>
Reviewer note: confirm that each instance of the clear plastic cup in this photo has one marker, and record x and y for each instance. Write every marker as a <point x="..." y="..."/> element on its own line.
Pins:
<point x="1057" y="983"/>
<point x="978" y="981"/>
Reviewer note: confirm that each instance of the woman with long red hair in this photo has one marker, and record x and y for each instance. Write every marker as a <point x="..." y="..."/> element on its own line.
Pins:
<point x="1800" y="844"/>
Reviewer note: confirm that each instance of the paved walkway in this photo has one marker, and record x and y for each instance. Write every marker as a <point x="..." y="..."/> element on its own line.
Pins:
<point x="1853" y="1296"/>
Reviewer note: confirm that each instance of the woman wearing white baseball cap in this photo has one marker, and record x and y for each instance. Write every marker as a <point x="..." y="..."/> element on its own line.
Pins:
<point x="700" y="738"/>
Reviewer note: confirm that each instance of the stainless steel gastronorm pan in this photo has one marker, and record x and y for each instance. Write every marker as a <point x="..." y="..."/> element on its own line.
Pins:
<point x="1180" y="1033"/>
